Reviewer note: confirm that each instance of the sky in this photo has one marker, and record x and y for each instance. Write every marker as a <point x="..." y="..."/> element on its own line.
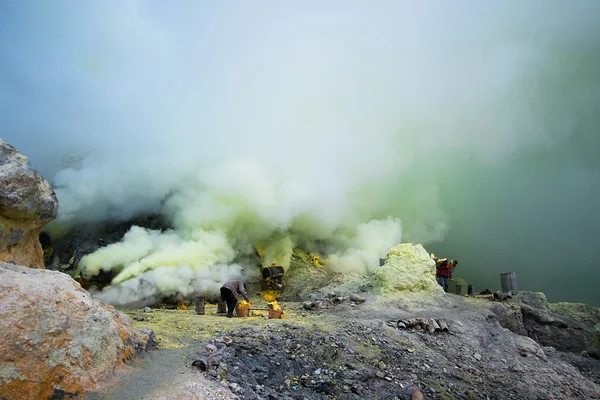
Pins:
<point x="343" y="127"/>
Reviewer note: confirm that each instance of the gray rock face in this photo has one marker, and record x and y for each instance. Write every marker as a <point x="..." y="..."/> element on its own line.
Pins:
<point x="27" y="204"/>
<point x="24" y="194"/>
<point x="542" y="325"/>
<point x="55" y="337"/>
<point x="554" y="330"/>
<point x="594" y="349"/>
<point x="532" y="299"/>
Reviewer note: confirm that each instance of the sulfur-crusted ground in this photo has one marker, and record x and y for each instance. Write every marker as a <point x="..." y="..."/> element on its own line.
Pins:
<point x="344" y="350"/>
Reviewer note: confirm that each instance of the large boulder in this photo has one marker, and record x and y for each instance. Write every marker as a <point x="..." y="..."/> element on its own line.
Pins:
<point x="27" y="204"/>
<point x="408" y="268"/>
<point x="56" y="339"/>
<point x="564" y="326"/>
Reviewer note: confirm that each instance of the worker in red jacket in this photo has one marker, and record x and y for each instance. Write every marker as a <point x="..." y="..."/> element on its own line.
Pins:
<point x="443" y="273"/>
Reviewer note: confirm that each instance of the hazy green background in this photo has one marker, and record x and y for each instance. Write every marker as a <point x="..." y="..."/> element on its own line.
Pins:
<point x="474" y="123"/>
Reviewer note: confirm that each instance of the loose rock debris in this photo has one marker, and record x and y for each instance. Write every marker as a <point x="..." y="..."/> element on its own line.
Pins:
<point x="289" y="361"/>
<point x="370" y="360"/>
<point x="429" y="325"/>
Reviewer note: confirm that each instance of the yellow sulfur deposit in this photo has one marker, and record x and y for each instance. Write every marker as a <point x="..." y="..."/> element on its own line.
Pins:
<point x="273" y="305"/>
<point x="316" y="260"/>
<point x="260" y="250"/>
<point x="269" y="295"/>
<point x="243" y="304"/>
<point x="409" y="268"/>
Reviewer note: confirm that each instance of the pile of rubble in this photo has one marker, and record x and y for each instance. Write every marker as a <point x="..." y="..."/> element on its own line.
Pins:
<point x="288" y="361"/>
<point x="332" y="300"/>
<point x="429" y="325"/>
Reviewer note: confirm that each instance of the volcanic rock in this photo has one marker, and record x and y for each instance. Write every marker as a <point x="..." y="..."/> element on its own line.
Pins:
<point x="528" y="347"/>
<point x="27" y="204"/>
<point x="357" y="298"/>
<point x="594" y="349"/>
<point x="55" y="337"/>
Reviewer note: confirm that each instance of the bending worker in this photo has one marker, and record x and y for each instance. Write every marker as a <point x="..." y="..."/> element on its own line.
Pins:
<point x="230" y="292"/>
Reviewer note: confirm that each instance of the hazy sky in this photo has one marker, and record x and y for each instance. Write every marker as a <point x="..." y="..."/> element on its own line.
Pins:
<point x="473" y="125"/>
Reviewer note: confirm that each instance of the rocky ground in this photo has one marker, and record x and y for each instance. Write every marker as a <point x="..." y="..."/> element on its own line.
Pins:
<point x="350" y="350"/>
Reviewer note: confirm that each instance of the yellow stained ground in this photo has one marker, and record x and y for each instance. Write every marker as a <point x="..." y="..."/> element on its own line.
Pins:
<point x="178" y="328"/>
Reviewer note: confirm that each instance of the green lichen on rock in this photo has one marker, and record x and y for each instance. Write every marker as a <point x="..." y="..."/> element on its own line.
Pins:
<point x="532" y="299"/>
<point x="408" y="268"/>
<point x="303" y="277"/>
<point x="583" y="313"/>
<point x="594" y="349"/>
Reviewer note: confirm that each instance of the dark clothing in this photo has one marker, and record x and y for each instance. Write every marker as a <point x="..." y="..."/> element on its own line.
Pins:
<point x="237" y="288"/>
<point x="230" y="293"/>
<point x="444" y="281"/>
<point x="228" y="297"/>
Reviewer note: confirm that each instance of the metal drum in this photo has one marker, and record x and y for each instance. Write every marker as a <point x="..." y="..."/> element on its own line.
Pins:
<point x="269" y="273"/>
<point x="508" y="282"/>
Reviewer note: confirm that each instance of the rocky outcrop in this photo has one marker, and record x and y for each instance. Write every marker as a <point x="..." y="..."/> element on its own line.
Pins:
<point x="530" y="314"/>
<point x="582" y="313"/>
<point x="509" y="316"/>
<point x="552" y="329"/>
<point x="55" y="338"/>
<point x="408" y="268"/>
<point x="594" y="349"/>
<point x="27" y="204"/>
<point x="303" y="278"/>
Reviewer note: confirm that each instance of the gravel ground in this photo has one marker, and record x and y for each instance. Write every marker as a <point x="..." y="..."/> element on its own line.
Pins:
<point x="345" y="350"/>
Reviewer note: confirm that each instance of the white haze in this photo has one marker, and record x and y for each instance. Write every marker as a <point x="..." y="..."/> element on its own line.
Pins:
<point x="279" y="124"/>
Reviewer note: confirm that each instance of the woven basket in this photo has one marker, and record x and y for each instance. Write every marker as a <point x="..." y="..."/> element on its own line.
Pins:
<point x="242" y="311"/>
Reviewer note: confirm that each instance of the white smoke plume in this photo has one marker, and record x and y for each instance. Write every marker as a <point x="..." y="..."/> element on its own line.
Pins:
<point x="331" y="125"/>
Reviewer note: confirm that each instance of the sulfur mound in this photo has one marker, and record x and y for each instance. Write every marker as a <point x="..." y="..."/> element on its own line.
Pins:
<point x="408" y="268"/>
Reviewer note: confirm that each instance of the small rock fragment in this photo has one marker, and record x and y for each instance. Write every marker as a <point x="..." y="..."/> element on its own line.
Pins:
<point x="226" y="340"/>
<point x="417" y="395"/>
<point x="357" y="298"/>
<point x="211" y="347"/>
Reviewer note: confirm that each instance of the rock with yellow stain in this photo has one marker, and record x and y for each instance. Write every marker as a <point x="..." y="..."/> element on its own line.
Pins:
<point x="27" y="204"/>
<point x="316" y="260"/>
<point x="55" y="337"/>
